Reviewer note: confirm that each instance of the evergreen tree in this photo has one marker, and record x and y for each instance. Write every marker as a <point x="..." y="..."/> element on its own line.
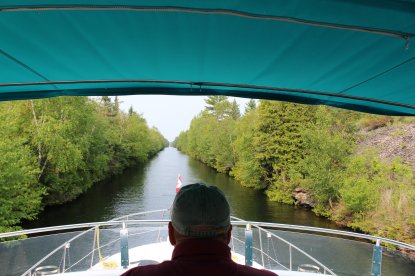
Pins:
<point x="116" y="106"/>
<point x="279" y="147"/>
<point x="213" y="101"/>
<point x="279" y="143"/>
<point x="235" y="113"/>
<point x="249" y="106"/>
<point x="130" y="111"/>
<point x="220" y="107"/>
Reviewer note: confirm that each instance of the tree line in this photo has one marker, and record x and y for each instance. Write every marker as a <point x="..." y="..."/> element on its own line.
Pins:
<point x="52" y="150"/>
<point x="284" y="148"/>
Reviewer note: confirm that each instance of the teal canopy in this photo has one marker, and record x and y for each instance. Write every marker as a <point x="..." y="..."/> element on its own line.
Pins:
<point x="356" y="55"/>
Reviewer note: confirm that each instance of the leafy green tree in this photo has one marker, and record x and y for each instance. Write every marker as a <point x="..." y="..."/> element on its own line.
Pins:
<point x="222" y="140"/>
<point x="63" y="130"/>
<point x="361" y="183"/>
<point x="55" y="149"/>
<point x="181" y="142"/>
<point x="282" y="146"/>
<point x="211" y="134"/>
<point x="327" y="145"/>
<point x="247" y="169"/>
<point x="200" y="138"/>
<point x="20" y="192"/>
<point x="378" y="197"/>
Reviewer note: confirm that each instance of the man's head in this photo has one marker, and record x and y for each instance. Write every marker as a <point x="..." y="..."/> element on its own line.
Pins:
<point x="200" y="212"/>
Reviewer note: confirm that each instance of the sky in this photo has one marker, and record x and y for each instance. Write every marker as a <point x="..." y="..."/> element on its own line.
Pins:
<point x="170" y="114"/>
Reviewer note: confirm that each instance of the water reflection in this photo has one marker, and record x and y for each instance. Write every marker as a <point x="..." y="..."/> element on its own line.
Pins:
<point x="101" y="202"/>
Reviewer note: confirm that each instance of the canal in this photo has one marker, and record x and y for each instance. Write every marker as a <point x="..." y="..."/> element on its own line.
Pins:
<point x="152" y="187"/>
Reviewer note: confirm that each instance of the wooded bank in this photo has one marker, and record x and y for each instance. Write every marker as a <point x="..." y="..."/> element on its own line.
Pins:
<point x="286" y="148"/>
<point x="53" y="150"/>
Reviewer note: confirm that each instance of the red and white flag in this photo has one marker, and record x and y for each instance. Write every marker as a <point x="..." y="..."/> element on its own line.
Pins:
<point x="179" y="183"/>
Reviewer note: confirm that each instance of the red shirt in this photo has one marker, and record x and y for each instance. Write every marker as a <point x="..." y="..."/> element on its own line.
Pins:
<point x="199" y="257"/>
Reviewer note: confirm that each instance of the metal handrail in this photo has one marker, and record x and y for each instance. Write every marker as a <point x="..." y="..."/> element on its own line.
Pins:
<point x="112" y="222"/>
<point x="79" y="235"/>
<point x="235" y="223"/>
<point x="27" y="272"/>
<point x="103" y="246"/>
<point x="326" y="269"/>
<point x="117" y="221"/>
<point x="139" y="213"/>
<point x="324" y="230"/>
<point x="59" y="228"/>
<point x="120" y="222"/>
<point x="298" y="249"/>
<point x="267" y="255"/>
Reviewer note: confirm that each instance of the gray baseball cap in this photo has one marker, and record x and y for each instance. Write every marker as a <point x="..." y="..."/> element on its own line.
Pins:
<point x="200" y="211"/>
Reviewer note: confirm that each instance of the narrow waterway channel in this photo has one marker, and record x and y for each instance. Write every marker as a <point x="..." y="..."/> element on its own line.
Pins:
<point x="152" y="187"/>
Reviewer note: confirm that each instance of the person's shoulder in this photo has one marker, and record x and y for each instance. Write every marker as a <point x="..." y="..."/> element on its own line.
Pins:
<point x="153" y="269"/>
<point x="141" y="270"/>
<point x="248" y="270"/>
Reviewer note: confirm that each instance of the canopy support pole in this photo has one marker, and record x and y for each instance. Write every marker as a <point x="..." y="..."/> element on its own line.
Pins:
<point x="124" y="246"/>
<point x="248" y="245"/>
<point x="377" y="259"/>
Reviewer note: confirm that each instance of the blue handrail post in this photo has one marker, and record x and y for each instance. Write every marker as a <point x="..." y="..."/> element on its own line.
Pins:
<point x="124" y="246"/>
<point x="377" y="259"/>
<point x="248" y="245"/>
